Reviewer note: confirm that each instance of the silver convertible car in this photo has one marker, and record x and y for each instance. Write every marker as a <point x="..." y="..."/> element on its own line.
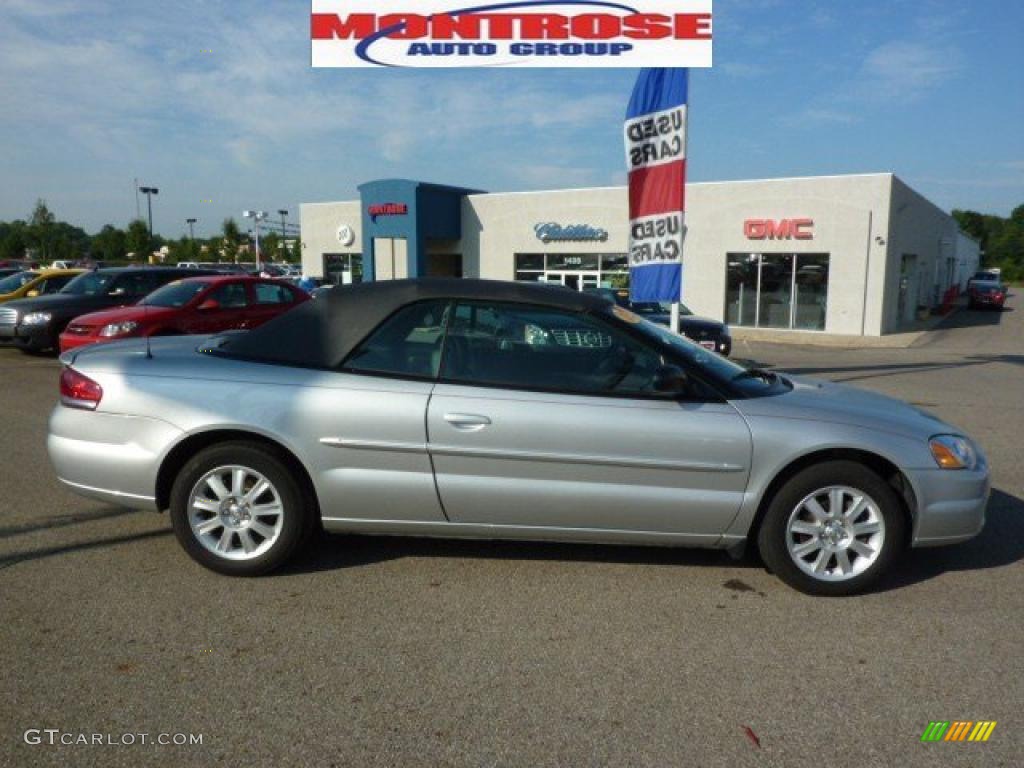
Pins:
<point x="467" y="408"/>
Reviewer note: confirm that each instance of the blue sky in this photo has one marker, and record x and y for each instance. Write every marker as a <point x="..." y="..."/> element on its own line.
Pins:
<point x="94" y="93"/>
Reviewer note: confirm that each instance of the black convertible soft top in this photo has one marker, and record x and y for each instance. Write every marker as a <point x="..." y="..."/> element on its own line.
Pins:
<point x="321" y="333"/>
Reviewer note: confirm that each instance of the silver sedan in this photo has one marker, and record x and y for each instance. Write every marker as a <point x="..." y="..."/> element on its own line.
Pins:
<point x="467" y="408"/>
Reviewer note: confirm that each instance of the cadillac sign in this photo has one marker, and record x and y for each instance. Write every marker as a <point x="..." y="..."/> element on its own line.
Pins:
<point x="518" y="33"/>
<point x="550" y="232"/>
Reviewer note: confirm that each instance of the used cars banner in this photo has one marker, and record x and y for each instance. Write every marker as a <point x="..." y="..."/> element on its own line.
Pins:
<point x="655" y="134"/>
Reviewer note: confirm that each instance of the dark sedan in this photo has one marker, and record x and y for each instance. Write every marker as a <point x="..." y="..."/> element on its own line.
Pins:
<point x="710" y="334"/>
<point x="35" y="325"/>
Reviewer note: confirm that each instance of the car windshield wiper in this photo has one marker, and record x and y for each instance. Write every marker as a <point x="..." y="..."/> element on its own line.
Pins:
<point x="757" y="373"/>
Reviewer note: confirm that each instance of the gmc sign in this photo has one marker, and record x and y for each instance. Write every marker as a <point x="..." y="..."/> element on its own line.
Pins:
<point x="782" y="229"/>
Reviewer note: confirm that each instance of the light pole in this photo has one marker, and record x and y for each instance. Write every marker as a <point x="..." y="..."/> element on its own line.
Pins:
<point x="191" y="232"/>
<point x="284" y="231"/>
<point x="257" y="217"/>
<point x="149" y="192"/>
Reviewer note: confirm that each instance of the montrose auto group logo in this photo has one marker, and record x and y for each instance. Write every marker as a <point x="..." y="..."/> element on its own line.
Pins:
<point x="524" y="33"/>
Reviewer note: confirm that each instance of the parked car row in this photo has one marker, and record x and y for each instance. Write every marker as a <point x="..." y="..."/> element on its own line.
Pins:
<point x="111" y="304"/>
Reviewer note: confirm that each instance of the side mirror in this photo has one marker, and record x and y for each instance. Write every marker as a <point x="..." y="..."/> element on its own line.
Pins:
<point x="671" y="379"/>
<point x="209" y="304"/>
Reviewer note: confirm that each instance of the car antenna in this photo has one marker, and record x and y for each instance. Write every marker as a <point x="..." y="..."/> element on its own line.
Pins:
<point x="145" y="316"/>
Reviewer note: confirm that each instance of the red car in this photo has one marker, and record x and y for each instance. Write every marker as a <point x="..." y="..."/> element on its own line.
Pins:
<point x="194" y="305"/>
<point x="986" y="293"/>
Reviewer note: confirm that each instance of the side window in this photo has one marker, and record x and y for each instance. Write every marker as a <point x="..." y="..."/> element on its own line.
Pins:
<point x="271" y="293"/>
<point x="140" y="283"/>
<point x="526" y="347"/>
<point x="406" y="344"/>
<point x="54" y="284"/>
<point x="231" y="296"/>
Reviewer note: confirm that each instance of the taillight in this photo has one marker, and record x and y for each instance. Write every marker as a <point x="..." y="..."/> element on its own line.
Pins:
<point x="78" y="391"/>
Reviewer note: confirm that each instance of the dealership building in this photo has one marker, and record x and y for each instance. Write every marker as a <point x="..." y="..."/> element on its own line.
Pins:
<point x="851" y="255"/>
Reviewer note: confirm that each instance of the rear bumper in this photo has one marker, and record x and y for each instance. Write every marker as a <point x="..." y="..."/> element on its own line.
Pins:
<point x="109" y="457"/>
<point x="950" y="505"/>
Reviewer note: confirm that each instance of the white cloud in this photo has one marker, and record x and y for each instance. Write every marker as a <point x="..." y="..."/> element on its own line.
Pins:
<point x="907" y="69"/>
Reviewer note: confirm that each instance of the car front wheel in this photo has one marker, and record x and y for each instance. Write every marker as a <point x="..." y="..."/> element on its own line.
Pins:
<point x="237" y="510"/>
<point x="832" y="529"/>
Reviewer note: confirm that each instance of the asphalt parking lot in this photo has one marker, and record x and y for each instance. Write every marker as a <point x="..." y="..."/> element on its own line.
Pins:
<point x="379" y="651"/>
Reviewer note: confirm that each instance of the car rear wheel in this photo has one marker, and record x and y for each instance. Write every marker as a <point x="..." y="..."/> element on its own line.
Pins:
<point x="832" y="529"/>
<point x="237" y="510"/>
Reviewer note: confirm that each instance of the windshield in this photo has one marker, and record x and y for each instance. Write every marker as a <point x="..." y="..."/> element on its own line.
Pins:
<point x="176" y="294"/>
<point x="750" y="381"/>
<point x="15" y="281"/>
<point x="90" y="284"/>
<point x="986" y="287"/>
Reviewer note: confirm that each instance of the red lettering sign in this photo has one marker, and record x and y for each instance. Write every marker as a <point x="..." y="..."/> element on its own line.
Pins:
<point x="781" y="229"/>
<point x="507" y="26"/>
<point x="387" y="209"/>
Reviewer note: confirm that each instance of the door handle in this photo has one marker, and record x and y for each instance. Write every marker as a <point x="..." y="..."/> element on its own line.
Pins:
<point x="467" y="422"/>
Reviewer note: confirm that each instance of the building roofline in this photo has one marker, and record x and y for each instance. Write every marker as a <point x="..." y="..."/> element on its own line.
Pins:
<point x="478" y="193"/>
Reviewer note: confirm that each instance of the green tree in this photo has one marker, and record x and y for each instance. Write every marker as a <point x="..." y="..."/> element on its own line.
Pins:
<point x="109" y="244"/>
<point x="296" y="255"/>
<point x="232" y="238"/>
<point x="137" y="239"/>
<point x="212" y="250"/>
<point x="270" y="247"/>
<point x="41" y="226"/>
<point x="14" y="239"/>
<point x="184" y="249"/>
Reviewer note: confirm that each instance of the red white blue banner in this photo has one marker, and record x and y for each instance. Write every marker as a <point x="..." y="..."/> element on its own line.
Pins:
<point x="655" y="134"/>
<point x="510" y="33"/>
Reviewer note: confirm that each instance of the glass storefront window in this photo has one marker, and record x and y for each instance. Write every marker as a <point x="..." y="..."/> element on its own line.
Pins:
<point x="775" y="299"/>
<point x="777" y="290"/>
<point x="810" y="292"/>
<point x="580" y="271"/>
<point x="573" y="261"/>
<point x="741" y="288"/>
<point x="530" y="261"/>
<point x="343" y="268"/>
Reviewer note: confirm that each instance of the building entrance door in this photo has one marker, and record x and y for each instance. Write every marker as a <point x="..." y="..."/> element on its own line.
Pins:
<point x="578" y="281"/>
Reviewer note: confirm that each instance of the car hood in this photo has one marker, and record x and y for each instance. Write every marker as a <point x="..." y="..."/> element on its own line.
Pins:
<point x="692" y="324"/>
<point x="818" y="400"/>
<point x="124" y="314"/>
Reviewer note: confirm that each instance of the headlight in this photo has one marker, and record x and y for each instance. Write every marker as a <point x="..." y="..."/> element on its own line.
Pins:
<point x="36" y="318"/>
<point x="953" y="452"/>
<point x="118" y="329"/>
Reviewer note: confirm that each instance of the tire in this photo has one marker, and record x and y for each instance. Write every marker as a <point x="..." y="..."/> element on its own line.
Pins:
<point x="222" y="528"/>
<point x="827" y="554"/>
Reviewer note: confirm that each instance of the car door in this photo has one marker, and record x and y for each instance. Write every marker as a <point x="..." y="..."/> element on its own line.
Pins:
<point x="269" y="300"/>
<point x="547" y="418"/>
<point x="371" y="455"/>
<point x="222" y="308"/>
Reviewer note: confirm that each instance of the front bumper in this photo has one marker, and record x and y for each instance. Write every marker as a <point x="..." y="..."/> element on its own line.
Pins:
<point x="950" y="504"/>
<point x="75" y="340"/>
<point x="110" y="457"/>
<point x="33" y="336"/>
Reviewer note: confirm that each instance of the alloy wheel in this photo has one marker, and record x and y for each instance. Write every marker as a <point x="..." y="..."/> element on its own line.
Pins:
<point x="235" y="512"/>
<point x="835" y="533"/>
